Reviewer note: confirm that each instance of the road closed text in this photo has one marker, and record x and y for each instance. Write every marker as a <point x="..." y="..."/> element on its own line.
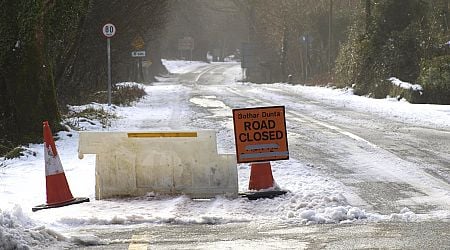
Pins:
<point x="260" y="131"/>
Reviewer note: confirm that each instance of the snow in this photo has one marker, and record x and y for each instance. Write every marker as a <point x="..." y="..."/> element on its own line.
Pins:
<point x="17" y="231"/>
<point x="405" y="85"/>
<point x="130" y="84"/>
<point x="179" y="67"/>
<point x="418" y="114"/>
<point x="312" y="197"/>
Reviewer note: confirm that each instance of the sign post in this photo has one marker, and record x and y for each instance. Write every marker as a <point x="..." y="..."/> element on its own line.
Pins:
<point x="138" y="45"/>
<point x="186" y="43"/>
<point x="109" y="30"/>
<point x="261" y="137"/>
<point x="260" y="134"/>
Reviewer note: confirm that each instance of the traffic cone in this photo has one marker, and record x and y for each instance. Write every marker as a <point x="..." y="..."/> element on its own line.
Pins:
<point x="262" y="184"/>
<point x="261" y="176"/>
<point x="58" y="191"/>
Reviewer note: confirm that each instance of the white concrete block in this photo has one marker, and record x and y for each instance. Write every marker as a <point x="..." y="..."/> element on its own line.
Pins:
<point x="171" y="162"/>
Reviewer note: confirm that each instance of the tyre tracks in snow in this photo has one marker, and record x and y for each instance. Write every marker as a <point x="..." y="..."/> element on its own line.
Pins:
<point x="386" y="180"/>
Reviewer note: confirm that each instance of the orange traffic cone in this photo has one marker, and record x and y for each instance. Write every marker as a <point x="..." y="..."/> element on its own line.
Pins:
<point x="261" y="181"/>
<point x="58" y="191"/>
<point x="260" y="176"/>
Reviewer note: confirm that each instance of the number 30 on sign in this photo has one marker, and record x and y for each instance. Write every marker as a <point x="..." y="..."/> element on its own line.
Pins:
<point x="109" y="30"/>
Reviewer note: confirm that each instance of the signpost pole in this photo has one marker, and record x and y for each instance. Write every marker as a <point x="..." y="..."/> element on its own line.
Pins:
<point x="109" y="30"/>
<point x="108" y="42"/>
<point x="306" y="57"/>
<point x="141" y="73"/>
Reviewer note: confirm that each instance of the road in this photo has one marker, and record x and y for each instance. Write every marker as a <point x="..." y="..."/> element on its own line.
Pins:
<point x="388" y="164"/>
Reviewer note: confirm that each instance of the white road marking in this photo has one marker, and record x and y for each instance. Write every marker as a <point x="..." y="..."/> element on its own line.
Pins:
<point x="309" y="119"/>
<point x="339" y="130"/>
<point x="204" y="72"/>
<point x="139" y="242"/>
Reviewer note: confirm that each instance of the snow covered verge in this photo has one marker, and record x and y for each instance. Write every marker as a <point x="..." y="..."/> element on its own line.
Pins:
<point x="416" y="114"/>
<point x="405" y="85"/>
<point x="312" y="198"/>
<point x="179" y="67"/>
<point x="17" y="231"/>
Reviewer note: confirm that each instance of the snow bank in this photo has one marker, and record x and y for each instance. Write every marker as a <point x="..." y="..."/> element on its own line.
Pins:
<point x="130" y="84"/>
<point x="17" y="231"/>
<point x="416" y="114"/>
<point x="405" y="85"/>
<point x="405" y="215"/>
<point x="180" y="67"/>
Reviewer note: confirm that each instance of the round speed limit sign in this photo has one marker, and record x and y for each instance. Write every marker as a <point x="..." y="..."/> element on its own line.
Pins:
<point x="109" y="30"/>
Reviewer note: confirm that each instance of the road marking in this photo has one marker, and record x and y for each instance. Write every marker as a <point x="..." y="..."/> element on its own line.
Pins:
<point x="309" y="119"/>
<point x="204" y="72"/>
<point x="161" y="134"/>
<point x="339" y="130"/>
<point x="138" y="242"/>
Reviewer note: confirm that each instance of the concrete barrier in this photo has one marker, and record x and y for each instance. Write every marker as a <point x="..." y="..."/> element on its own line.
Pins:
<point x="135" y="163"/>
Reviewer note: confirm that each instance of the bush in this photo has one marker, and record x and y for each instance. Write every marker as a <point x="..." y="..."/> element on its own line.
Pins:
<point x="127" y="94"/>
<point x="15" y="153"/>
<point x="120" y="95"/>
<point x="73" y="119"/>
<point x="435" y="80"/>
<point x="394" y="45"/>
<point x="5" y="147"/>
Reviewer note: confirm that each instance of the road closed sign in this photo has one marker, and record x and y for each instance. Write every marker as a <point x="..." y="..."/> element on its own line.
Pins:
<point x="260" y="134"/>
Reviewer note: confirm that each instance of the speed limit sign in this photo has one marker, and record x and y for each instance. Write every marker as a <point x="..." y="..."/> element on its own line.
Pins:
<point x="109" y="30"/>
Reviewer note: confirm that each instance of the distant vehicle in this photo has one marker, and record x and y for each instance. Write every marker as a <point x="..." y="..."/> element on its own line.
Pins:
<point x="232" y="58"/>
<point x="209" y="57"/>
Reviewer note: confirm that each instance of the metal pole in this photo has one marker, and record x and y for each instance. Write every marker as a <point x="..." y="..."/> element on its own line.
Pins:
<point x="306" y="58"/>
<point x="108" y="42"/>
<point x="141" y="73"/>
<point x="330" y="35"/>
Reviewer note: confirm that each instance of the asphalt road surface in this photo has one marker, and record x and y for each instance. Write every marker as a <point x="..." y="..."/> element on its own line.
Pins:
<point x="388" y="163"/>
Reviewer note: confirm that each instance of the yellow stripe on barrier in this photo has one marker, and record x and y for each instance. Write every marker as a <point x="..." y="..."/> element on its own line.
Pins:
<point x="161" y="134"/>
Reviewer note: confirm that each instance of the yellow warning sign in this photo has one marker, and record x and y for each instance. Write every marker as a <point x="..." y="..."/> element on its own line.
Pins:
<point x="138" y="42"/>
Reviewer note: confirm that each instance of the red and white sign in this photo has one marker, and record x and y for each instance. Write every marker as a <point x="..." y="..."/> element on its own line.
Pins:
<point x="109" y="30"/>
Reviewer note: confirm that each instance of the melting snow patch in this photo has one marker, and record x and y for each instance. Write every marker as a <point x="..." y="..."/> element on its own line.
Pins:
<point x="130" y="84"/>
<point x="180" y="67"/>
<point x="405" y="85"/>
<point x="404" y="215"/>
<point x="87" y="240"/>
<point x="208" y="102"/>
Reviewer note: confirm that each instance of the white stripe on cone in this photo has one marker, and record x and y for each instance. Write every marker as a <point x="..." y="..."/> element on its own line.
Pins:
<point x="53" y="164"/>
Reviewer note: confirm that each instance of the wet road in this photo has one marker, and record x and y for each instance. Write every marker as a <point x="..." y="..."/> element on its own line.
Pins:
<point x="392" y="235"/>
<point x="387" y="163"/>
<point x="392" y="164"/>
